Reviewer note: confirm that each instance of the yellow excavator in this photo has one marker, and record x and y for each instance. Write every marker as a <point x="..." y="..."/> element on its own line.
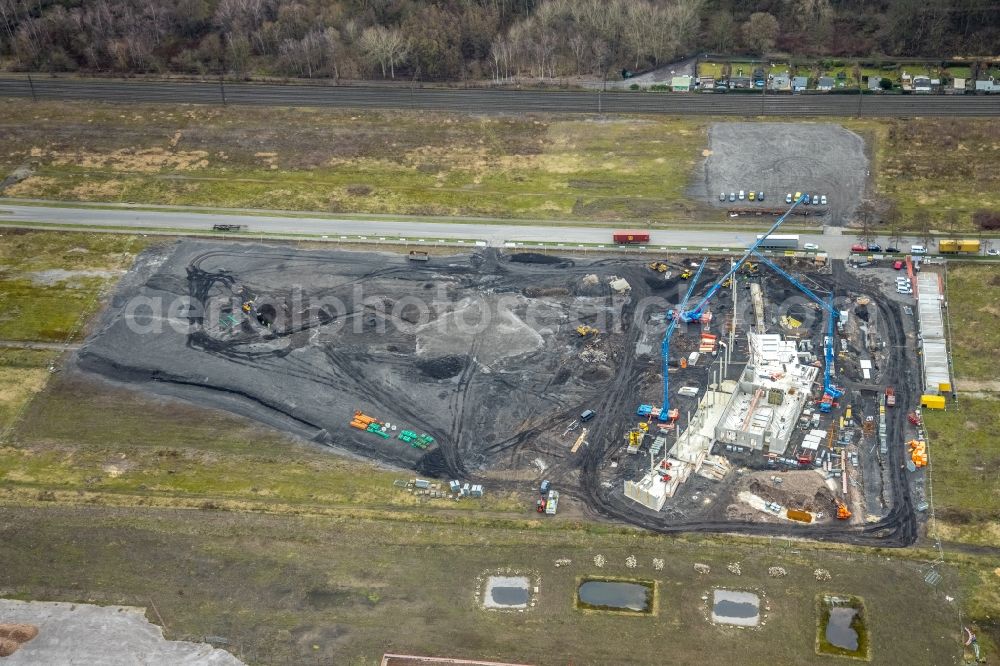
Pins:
<point x="583" y="330"/>
<point x="659" y="266"/>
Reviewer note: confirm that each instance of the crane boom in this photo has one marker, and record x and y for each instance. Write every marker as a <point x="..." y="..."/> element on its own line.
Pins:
<point x="830" y="391"/>
<point x="695" y="313"/>
<point x="674" y="316"/>
<point x="798" y="285"/>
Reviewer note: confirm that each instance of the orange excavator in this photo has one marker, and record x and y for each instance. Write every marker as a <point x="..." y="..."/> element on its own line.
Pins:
<point x="843" y="513"/>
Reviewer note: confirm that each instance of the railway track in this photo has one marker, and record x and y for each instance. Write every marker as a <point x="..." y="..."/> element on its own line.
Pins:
<point x="498" y="100"/>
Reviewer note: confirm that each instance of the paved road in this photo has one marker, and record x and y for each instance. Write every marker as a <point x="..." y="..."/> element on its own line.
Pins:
<point x="493" y="234"/>
<point x="503" y="101"/>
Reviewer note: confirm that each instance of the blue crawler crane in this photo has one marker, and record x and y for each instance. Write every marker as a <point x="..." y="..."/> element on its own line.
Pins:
<point x="830" y="391"/>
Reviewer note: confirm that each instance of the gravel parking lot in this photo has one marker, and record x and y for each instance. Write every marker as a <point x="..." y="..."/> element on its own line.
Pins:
<point x="781" y="158"/>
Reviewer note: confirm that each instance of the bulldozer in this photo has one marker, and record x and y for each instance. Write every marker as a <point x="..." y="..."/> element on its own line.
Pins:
<point x="843" y="513"/>
<point x="583" y="330"/>
<point x="686" y="274"/>
<point x="658" y="266"/>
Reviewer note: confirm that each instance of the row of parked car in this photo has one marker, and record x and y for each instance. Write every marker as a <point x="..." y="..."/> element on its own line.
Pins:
<point x="815" y="199"/>
<point x="875" y="247"/>
<point x="733" y="196"/>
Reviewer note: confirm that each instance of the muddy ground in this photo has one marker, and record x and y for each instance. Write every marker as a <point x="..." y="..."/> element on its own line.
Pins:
<point x="480" y="351"/>
<point x="782" y="158"/>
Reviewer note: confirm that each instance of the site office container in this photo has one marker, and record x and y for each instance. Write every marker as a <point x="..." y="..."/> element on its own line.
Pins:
<point x="626" y="237"/>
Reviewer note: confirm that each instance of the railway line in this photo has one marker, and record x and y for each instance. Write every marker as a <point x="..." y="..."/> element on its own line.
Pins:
<point x="494" y="101"/>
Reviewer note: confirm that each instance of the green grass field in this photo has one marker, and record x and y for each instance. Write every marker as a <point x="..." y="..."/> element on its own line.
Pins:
<point x="49" y="282"/>
<point x="287" y="589"/>
<point x="542" y="167"/>
<point x="966" y="469"/>
<point x="938" y="165"/>
<point x="975" y="320"/>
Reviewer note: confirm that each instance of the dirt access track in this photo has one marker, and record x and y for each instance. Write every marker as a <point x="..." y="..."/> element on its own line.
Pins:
<point x="480" y="351"/>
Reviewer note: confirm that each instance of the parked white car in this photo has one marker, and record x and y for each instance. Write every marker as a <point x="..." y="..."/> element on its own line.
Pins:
<point x="810" y="246"/>
<point x="742" y="195"/>
<point x="918" y="249"/>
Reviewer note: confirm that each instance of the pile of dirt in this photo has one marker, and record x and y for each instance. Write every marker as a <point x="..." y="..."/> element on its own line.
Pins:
<point x="442" y="367"/>
<point x="13" y="636"/>
<point x="538" y="258"/>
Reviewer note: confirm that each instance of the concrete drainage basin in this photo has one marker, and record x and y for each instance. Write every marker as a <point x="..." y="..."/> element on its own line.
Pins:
<point x="739" y="608"/>
<point x="507" y="592"/>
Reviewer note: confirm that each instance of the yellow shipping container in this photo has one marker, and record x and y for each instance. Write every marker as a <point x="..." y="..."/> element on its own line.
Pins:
<point x="944" y="387"/>
<point x="947" y="245"/>
<point x="968" y="245"/>
<point x="932" y="401"/>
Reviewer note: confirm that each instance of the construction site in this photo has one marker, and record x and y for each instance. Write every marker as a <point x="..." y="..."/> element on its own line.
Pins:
<point x="739" y="393"/>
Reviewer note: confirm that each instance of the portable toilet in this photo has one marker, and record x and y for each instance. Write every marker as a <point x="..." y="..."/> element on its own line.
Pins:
<point x="421" y="483"/>
<point x="455" y="486"/>
<point x="477" y="491"/>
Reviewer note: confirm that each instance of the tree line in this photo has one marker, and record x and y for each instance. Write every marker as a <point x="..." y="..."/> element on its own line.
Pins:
<point x="468" y="39"/>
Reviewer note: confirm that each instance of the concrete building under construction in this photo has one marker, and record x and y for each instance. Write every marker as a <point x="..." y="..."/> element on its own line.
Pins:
<point x="771" y="393"/>
<point x="757" y="411"/>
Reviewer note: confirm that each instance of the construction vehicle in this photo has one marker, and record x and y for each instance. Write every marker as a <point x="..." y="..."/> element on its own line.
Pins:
<point x="890" y="396"/>
<point x="686" y="274"/>
<point x="843" y="513"/>
<point x="247" y="306"/>
<point x="751" y="268"/>
<point x="695" y="313"/>
<point x="665" y="413"/>
<point x="659" y="266"/>
<point x="226" y="227"/>
<point x="419" y="255"/>
<point x="913" y="418"/>
<point x="583" y="330"/>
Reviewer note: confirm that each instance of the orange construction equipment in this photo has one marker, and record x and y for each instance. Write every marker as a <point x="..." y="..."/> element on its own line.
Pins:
<point x="843" y="513"/>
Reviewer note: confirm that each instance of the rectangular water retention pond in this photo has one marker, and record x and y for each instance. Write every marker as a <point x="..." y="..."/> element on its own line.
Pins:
<point x="632" y="597"/>
<point x="842" y="627"/>
<point x="507" y="592"/>
<point x="739" y="608"/>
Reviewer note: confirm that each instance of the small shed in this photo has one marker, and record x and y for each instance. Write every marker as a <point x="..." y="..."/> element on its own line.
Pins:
<point x="706" y="83"/>
<point x="922" y="84"/>
<point x="825" y="83"/>
<point x="958" y="86"/>
<point x="800" y="83"/>
<point x="781" y="82"/>
<point x="740" y="82"/>
<point x="680" y="83"/>
<point x="874" y="83"/>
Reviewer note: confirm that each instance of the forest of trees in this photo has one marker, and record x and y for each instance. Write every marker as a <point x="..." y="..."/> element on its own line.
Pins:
<point x="468" y="39"/>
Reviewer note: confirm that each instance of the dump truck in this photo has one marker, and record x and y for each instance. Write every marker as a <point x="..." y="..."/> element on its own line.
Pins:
<point x="419" y="255"/>
<point x="226" y="227"/>
<point x="627" y="237"/>
<point x="962" y="246"/>
<point x="890" y="396"/>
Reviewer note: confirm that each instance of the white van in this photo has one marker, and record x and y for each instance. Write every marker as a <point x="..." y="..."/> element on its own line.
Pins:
<point x="918" y="249"/>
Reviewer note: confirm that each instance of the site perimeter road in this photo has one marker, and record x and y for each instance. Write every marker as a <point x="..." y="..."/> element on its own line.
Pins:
<point x="500" y="101"/>
<point x="492" y="234"/>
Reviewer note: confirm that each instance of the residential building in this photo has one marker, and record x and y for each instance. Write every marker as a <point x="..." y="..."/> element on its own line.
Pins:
<point x="800" y="83"/>
<point x="681" y="83"/>
<point x="825" y="83"/>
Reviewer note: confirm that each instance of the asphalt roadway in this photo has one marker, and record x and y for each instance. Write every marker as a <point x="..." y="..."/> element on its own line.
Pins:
<point x="499" y="100"/>
<point x="496" y="235"/>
